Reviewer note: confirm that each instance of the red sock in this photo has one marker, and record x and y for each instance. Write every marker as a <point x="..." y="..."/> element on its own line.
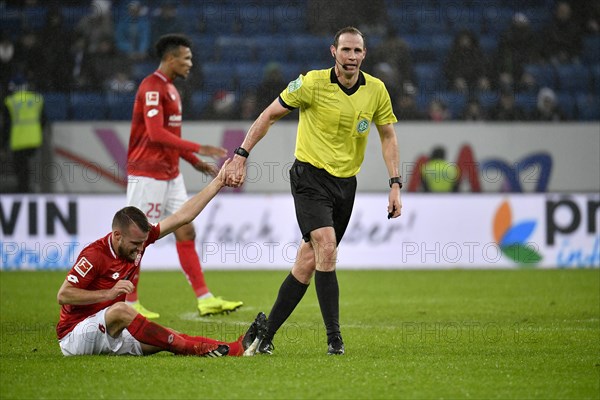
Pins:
<point x="235" y="348"/>
<point x="190" y="263"/>
<point x="133" y="296"/>
<point x="167" y="339"/>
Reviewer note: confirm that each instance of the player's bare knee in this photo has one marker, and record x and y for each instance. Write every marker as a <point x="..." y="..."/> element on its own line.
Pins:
<point x="120" y="313"/>
<point x="185" y="233"/>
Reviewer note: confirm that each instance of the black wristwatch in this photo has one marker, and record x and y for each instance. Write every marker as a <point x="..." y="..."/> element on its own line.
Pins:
<point x="396" y="179"/>
<point x="240" y="151"/>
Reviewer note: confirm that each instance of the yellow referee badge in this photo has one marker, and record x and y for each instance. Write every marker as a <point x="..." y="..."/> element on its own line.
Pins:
<point x="295" y="85"/>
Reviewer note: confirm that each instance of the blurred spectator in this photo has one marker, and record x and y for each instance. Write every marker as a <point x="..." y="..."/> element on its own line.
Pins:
<point x="465" y="65"/>
<point x="96" y="26"/>
<point x="518" y="46"/>
<point x="438" y="175"/>
<point x="104" y="64"/>
<point x="27" y="58"/>
<point x="369" y="16"/>
<point x="394" y="52"/>
<point x="248" y="108"/>
<point x="7" y="54"/>
<point x="222" y="107"/>
<point x="547" y="107"/>
<point x="78" y="61"/>
<point x="24" y="121"/>
<point x="473" y="111"/>
<point x="271" y="85"/>
<point x="165" y="21"/>
<point x="587" y="14"/>
<point x="120" y="83"/>
<point x="438" y="111"/>
<point x="133" y="31"/>
<point x="57" y="75"/>
<point x="506" y="109"/>
<point x="562" y="37"/>
<point x="405" y="106"/>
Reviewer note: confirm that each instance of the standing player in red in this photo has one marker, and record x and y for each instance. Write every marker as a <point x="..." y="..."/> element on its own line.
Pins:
<point x="155" y="184"/>
<point x="95" y="320"/>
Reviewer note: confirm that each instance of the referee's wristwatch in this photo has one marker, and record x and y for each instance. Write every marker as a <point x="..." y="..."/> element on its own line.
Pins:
<point x="240" y="151"/>
<point x="396" y="179"/>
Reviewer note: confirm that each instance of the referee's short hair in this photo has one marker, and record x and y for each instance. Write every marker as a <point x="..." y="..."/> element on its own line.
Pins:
<point x="131" y="215"/>
<point x="170" y="43"/>
<point x="348" y="29"/>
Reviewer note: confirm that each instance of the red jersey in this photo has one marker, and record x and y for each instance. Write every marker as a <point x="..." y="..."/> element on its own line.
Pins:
<point x="97" y="268"/>
<point x="155" y="143"/>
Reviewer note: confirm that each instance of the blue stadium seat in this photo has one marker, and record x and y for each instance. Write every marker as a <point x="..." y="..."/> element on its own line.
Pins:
<point x="203" y="47"/>
<point x="429" y="77"/>
<point x="566" y="103"/>
<point x="255" y="19"/>
<point x="315" y="46"/>
<point x="233" y="49"/>
<point x="460" y="18"/>
<point x="35" y="17"/>
<point x="249" y="75"/>
<point x="488" y="99"/>
<point x="421" y="49"/>
<point x="73" y="14"/>
<point x="455" y="101"/>
<point x="573" y="77"/>
<point x="591" y="49"/>
<point x="588" y="107"/>
<point x="272" y="48"/>
<point x="527" y="101"/>
<point x="218" y="75"/>
<point x="290" y="18"/>
<point x="596" y="78"/>
<point x="544" y="74"/>
<point x="142" y="69"/>
<point x="120" y="106"/>
<point x="88" y="106"/>
<point x="200" y="99"/>
<point x="488" y="44"/>
<point x="56" y="106"/>
<point x="291" y="71"/>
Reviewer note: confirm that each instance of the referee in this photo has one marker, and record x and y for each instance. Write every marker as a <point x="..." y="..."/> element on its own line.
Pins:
<point x="337" y="106"/>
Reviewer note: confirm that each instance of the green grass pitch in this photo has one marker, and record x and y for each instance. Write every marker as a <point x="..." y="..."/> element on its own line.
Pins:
<point x="520" y="334"/>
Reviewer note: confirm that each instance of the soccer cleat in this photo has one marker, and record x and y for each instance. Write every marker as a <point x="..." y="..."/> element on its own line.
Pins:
<point x="220" y="351"/>
<point x="254" y="334"/>
<point x="336" y="346"/>
<point x="216" y="305"/>
<point x="229" y="306"/>
<point x="266" y="346"/>
<point x="137" y="306"/>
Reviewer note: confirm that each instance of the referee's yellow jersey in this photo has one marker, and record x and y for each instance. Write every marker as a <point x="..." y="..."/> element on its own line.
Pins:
<point x="335" y="121"/>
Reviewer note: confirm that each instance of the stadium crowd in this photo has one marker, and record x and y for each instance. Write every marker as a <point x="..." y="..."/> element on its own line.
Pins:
<point x="501" y="60"/>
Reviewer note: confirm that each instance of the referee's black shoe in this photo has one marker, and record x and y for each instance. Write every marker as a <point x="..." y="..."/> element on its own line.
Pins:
<point x="336" y="346"/>
<point x="254" y="335"/>
<point x="266" y="346"/>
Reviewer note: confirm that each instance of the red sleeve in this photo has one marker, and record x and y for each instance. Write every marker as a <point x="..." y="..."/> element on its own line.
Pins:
<point x="190" y="157"/>
<point x="153" y="119"/>
<point x="85" y="269"/>
<point x="153" y="235"/>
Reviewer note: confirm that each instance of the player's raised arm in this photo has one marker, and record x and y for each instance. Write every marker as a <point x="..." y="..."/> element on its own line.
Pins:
<point x="194" y="206"/>
<point x="237" y="171"/>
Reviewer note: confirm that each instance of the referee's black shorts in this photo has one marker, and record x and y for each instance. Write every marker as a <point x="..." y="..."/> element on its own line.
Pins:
<point x="321" y="199"/>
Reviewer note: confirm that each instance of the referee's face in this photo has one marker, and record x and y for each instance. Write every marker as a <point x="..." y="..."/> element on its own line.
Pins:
<point x="181" y="63"/>
<point x="349" y="53"/>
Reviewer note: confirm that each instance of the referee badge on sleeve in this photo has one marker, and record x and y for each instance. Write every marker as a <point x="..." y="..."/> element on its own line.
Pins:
<point x="295" y="85"/>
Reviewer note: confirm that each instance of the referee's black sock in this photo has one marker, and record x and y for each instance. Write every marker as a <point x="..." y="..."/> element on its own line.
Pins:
<point x="290" y="294"/>
<point x="328" y="293"/>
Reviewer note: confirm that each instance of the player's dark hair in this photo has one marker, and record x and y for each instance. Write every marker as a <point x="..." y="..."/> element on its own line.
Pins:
<point x="171" y="42"/>
<point x="131" y="215"/>
<point x="348" y="29"/>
